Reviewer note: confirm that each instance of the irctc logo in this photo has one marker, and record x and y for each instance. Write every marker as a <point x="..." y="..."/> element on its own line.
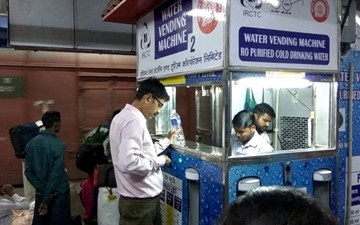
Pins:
<point x="254" y="4"/>
<point x="145" y="38"/>
<point x="252" y="8"/>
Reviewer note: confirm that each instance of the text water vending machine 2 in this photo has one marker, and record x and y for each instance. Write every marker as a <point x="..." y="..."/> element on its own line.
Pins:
<point x="233" y="54"/>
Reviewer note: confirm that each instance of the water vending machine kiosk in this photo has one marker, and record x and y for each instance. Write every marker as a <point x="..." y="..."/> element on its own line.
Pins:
<point x="233" y="55"/>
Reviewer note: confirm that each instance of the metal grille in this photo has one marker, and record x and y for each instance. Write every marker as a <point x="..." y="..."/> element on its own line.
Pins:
<point x="294" y="132"/>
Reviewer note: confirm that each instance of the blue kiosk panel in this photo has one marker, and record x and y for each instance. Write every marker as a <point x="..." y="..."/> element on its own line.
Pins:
<point x="272" y="174"/>
<point x="210" y="183"/>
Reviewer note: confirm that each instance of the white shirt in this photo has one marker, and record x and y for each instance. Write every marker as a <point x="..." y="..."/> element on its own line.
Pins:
<point x="256" y="145"/>
<point x="266" y="137"/>
<point x="7" y="207"/>
<point x="135" y="157"/>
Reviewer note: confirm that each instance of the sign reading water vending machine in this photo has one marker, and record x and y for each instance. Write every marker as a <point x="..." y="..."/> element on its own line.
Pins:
<point x="256" y="40"/>
<point x="171" y="38"/>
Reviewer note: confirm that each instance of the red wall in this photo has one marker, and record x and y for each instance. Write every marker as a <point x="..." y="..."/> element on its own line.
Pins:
<point x="63" y="79"/>
<point x="85" y="88"/>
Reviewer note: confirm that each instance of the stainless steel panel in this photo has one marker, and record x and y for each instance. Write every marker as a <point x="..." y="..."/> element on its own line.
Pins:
<point x="67" y="25"/>
<point x="41" y="23"/>
<point x="209" y="112"/>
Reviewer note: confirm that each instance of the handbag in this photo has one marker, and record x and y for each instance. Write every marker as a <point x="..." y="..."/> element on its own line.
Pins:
<point x="104" y="176"/>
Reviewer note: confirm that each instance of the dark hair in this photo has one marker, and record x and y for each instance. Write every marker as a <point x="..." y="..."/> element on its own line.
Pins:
<point x="277" y="206"/>
<point x="115" y="113"/>
<point x="50" y="117"/>
<point x="243" y="119"/>
<point x="263" y="108"/>
<point x="152" y="86"/>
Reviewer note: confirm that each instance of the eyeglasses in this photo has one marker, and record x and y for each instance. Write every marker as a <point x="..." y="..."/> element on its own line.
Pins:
<point x="159" y="103"/>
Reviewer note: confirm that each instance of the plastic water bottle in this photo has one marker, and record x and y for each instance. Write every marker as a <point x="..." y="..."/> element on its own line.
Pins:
<point x="176" y="124"/>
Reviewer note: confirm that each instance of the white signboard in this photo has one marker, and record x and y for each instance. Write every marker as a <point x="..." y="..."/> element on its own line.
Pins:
<point x="171" y="200"/>
<point x="297" y="34"/>
<point x="357" y="22"/>
<point x="181" y="36"/>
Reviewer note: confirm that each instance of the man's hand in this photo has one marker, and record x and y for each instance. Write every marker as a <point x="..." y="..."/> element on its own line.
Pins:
<point x="43" y="209"/>
<point x="8" y="189"/>
<point x="167" y="160"/>
<point x="172" y="133"/>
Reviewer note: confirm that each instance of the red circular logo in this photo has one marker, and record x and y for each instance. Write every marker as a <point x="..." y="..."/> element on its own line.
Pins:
<point x="319" y="10"/>
<point x="208" y="13"/>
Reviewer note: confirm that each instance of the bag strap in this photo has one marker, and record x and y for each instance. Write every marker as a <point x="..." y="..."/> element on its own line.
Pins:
<point x="109" y="190"/>
<point x="97" y="130"/>
<point x="108" y="130"/>
<point x="90" y="136"/>
<point x="107" y="175"/>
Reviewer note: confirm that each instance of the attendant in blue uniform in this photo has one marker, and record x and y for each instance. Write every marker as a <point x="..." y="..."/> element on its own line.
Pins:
<point x="44" y="168"/>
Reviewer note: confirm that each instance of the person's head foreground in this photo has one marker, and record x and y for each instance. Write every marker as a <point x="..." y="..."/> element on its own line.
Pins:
<point x="277" y="206"/>
<point x="151" y="97"/>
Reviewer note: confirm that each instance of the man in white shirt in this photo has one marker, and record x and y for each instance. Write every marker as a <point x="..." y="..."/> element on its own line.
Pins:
<point x="136" y="159"/>
<point x="246" y="140"/>
<point x="7" y="206"/>
<point x="264" y="114"/>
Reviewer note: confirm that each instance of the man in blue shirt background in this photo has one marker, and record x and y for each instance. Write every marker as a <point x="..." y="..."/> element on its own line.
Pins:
<point x="45" y="170"/>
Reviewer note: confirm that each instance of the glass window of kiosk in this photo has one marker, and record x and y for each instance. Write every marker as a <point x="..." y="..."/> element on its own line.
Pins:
<point x="160" y="125"/>
<point x="304" y="106"/>
<point x="202" y="117"/>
